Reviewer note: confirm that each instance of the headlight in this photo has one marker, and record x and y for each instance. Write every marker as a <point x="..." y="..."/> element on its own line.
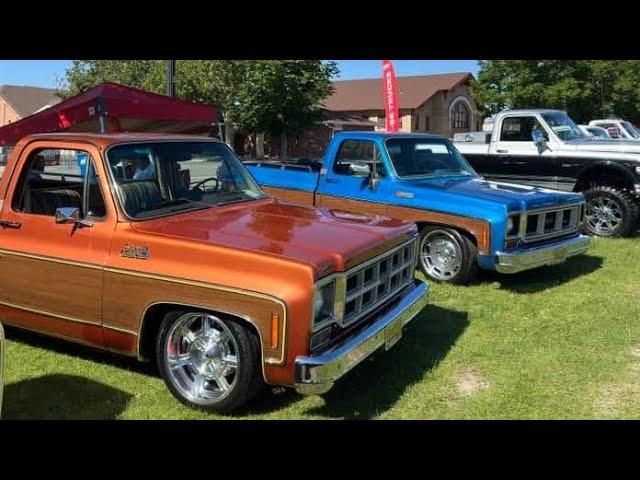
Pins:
<point x="513" y="225"/>
<point x="638" y="170"/>
<point x="323" y="300"/>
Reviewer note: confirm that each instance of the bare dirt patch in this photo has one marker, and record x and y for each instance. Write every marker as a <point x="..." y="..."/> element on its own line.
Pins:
<point x="469" y="383"/>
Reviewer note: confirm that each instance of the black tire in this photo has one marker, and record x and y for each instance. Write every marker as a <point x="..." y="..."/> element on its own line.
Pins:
<point x="465" y="249"/>
<point x="623" y="201"/>
<point x="249" y="379"/>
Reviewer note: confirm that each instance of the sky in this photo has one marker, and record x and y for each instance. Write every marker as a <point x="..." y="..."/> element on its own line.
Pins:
<point x="46" y="73"/>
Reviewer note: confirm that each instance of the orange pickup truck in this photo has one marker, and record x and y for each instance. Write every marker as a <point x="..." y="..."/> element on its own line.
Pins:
<point x="164" y="248"/>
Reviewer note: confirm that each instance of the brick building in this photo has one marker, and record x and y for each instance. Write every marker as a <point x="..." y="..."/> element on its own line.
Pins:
<point x="440" y="103"/>
<point x="17" y="102"/>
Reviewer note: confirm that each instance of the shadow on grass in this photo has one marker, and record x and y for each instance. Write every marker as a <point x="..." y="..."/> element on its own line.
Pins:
<point x="77" y="350"/>
<point x="375" y="385"/>
<point x="539" y="279"/>
<point x="62" y="397"/>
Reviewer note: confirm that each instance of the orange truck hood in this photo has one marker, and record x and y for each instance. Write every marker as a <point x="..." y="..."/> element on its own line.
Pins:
<point x="327" y="239"/>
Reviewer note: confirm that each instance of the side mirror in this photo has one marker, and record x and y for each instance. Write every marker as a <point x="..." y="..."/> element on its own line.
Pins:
<point x="539" y="140"/>
<point x="373" y="182"/>
<point x="71" y="215"/>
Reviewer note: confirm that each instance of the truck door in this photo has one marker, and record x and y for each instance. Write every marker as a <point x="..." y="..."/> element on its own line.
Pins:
<point x="518" y="157"/>
<point x="51" y="267"/>
<point x="347" y="185"/>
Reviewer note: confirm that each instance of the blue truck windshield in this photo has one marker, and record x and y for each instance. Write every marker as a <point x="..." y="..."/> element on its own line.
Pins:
<point x="413" y="157"/>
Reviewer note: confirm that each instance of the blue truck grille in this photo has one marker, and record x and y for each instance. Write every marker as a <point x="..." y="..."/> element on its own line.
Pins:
<point x="544" y="224"/>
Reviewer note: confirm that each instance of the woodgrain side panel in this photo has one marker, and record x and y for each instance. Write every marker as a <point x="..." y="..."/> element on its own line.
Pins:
<point x="61" y="289"/>
<point x="130" y="296"/>
<point x="478" y="228"/>
<point x="288" y="195"/>
<point x="350" y="205"/>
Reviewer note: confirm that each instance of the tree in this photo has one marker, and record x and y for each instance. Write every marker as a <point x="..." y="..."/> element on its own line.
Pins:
<point x="270" y="96"/>
<point x="586" y="89"/>
<point x="282" y="98"/>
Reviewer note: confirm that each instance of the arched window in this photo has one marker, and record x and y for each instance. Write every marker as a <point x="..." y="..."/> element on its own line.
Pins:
<point x="460" y="114"/>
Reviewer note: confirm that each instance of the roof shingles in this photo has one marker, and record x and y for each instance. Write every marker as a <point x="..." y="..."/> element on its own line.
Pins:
<point x="359" y="95"/>
<point x="27" y="100"/>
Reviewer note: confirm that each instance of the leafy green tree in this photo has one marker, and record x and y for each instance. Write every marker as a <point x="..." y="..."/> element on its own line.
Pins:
<point x="276" y="97"/>
<point x="282" y="98"/>
<point x="586" y="89"/>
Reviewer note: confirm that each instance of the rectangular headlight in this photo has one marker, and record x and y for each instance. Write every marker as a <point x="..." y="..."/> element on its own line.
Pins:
<point x="513" y="225"/>
<point x="323" y="305"/>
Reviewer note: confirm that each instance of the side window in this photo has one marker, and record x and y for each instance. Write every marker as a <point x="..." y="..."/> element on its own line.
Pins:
<point x="356" y="158"/>
<point x="520" y="129"/>
<point x="56" y="178"/>
<point x="612" y="128"/>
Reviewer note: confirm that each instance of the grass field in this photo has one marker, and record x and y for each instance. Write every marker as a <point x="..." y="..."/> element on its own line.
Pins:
<point x="558" y="342"/>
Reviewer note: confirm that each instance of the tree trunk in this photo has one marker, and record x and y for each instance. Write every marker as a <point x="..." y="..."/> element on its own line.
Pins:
<point x="283" y="147"/>
<point x="260" y="146"/>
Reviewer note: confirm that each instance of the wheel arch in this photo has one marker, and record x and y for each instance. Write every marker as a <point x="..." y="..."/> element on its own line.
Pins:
<point x="155" y="312"/>
<point x="608" y="173"/>
<point x="462" y="231"/>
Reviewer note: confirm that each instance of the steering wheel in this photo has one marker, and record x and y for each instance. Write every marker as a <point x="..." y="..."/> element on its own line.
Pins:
<point x="202" y="182"/>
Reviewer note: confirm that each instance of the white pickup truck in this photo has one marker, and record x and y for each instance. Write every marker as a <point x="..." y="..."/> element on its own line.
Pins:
<point x="545" y="148"/>
<point x="617" y="128"/>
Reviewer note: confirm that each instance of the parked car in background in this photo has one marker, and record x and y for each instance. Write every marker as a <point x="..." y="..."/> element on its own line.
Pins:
<point x="195" y="267"/>
<point x="618" y="128"/>
<point x="465" y="221"/>
<point x="597" y="133"/>
<point x="546" y="148"/>
<point x="1" y="367"/>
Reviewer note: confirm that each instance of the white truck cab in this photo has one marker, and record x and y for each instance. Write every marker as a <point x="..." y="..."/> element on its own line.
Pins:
<point x="618" y="128"/>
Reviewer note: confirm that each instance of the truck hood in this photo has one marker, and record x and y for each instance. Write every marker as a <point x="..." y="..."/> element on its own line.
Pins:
<point x="613" y="146"/>
<point x="469" y="194"/>
<point x="324" y="238"/>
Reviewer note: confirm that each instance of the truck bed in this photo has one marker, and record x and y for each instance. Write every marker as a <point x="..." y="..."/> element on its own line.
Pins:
<point x="286" y="175"/>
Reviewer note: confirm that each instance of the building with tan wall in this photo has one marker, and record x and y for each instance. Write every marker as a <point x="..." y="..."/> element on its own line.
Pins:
<point x="428" y="103"/>
<point x="17" y="102"/>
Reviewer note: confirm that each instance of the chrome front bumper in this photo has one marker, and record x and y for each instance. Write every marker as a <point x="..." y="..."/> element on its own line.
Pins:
<point x="317" y="374"/>
<point x="540" y="256"/>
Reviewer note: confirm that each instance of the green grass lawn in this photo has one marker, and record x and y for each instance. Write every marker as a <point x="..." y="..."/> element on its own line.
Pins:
<point x="557" y="342"/>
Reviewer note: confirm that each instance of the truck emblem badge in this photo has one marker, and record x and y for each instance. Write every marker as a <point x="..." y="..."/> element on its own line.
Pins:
<point x="401" y="194"/>
<point x="131" y="251"/>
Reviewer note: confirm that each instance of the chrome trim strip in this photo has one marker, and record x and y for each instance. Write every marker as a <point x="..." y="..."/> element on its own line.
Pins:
<point x="317" y="374"/>
<point x="526" y="259"/>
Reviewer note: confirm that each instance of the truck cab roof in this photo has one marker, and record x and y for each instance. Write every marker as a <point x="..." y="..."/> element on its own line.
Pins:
<point x="368" y="135"/>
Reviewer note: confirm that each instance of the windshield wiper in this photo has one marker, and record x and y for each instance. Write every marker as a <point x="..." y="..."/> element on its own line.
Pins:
<point x="177" y="201"/>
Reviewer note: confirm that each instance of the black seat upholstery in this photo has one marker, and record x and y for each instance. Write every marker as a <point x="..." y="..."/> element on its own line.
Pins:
<point x="137" y="196"/>
<point x="47" y="201"/>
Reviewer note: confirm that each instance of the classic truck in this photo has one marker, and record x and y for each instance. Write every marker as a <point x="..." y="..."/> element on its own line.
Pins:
<point x="163" y="246"/>
<point x="618" y="128"/>
<point x="464" y="220"/>
<point x="546" y="148"/>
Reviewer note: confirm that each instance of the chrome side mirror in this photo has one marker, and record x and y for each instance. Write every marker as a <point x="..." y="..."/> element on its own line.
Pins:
<point x="71" y="215"/>
<point x="539" y="140"/>
<point x="374" y="180"/>
<point x="359" y="169"/>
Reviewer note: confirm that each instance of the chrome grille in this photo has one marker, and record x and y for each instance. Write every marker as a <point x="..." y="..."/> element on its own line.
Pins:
<point x="543" y="224"/>
<point x="369" y="285"/>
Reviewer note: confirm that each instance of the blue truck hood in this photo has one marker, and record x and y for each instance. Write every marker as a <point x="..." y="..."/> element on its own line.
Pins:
<point x="473" y="194"/>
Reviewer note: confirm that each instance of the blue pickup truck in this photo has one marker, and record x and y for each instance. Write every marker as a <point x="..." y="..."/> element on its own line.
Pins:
<point x="465" y="221"/>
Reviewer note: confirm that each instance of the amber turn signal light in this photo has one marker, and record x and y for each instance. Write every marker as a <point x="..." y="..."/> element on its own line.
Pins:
<point x="275" y="321"/>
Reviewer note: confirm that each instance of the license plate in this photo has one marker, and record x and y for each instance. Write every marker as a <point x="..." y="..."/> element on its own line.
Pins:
<point x="392" y="334"/>
<point x="560" y="255"/>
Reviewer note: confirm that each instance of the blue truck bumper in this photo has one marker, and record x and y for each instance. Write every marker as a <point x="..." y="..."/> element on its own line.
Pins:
<point x="528" y="258"/>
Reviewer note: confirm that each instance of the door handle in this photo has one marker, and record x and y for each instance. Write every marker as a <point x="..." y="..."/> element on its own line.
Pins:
<point x="502" y="151"/>
<point x="8" y="224"/>
<point x="331" y="180"/>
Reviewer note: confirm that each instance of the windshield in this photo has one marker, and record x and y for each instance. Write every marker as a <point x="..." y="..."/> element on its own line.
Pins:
<point x="598" y="132"/>
<point x="163" y="178"/>
<point x="564" y="127"/>
<point x="631" y="130"/>
<point x="426" y="157"/>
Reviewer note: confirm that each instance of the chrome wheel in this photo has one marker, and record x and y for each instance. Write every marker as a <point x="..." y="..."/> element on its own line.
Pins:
<point x="202" y="358"/>
<point x="604" y="215"/>
<point x="441" y="255"/>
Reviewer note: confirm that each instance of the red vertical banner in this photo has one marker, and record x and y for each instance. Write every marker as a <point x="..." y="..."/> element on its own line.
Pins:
<point x="390" y="91"/>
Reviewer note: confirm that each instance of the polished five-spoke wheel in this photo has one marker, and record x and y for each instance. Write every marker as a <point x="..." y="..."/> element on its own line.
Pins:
<point x="446" y="255"/>
<point x="209" y="361"/>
